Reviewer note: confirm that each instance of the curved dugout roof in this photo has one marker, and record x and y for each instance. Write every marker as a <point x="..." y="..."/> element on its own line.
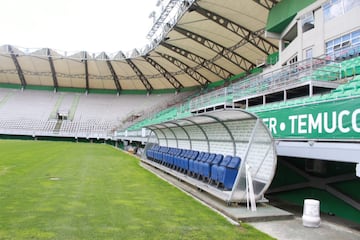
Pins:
<point x="216" y="132"/>
<point x="227" y="132"/>
<point x="212" y="41"/>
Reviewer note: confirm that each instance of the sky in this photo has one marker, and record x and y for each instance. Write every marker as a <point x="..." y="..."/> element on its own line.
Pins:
<point x="76" y="25"/>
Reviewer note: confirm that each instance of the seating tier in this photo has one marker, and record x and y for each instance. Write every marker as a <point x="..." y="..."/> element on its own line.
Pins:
<point x="209" y="167"/>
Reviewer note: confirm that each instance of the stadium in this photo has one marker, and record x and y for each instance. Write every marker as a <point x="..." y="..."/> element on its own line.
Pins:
<point x="243" y="105"/>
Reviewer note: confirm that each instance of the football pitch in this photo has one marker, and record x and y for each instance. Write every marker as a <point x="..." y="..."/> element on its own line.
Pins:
<point x="60" y="190"/>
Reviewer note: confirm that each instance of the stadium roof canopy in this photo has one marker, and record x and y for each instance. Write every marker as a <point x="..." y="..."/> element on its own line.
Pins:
<point x="206" y="41"/>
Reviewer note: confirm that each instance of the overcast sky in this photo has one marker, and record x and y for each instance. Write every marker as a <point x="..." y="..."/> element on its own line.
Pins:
<point x="76" y="25"/>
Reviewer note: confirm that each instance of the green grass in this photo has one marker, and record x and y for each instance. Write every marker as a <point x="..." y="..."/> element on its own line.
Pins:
<point x="101" y="193"/>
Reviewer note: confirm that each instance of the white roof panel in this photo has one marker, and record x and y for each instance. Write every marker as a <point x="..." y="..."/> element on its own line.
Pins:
<point x="211" y="28"/>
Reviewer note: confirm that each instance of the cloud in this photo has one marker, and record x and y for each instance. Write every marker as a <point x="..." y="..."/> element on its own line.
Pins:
<point x="76" y="25"/>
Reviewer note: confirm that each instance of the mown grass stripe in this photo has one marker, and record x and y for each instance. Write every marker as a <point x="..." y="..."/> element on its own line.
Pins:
<point x="101" y="193"/>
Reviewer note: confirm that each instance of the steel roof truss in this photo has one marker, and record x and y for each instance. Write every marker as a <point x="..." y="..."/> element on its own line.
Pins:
<point x="138" y="73"/>
<point x="17" y="66"/>
<point x="199" y="78"/>
<point x="233" y="57"/>
<point x="172" y="80"/>
<point x="254" y="38"/>
<point x="209" y="65"/>
<point x="52" y="68"/>
<point x="114" y="75"/>
<point x="85" y="61"/>
<point x="268" y="4"/>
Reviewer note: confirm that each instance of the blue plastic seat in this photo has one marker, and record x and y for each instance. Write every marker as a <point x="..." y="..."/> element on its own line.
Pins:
<point x="166" y="157"/>
<point x="206" y="167"/>
<point x="176" y="159"/>
<point x="198" y="162"/>
<point x="160" y="154"/>
<point x="182" y="158"/>
<point x="202" y="166"/>
<point x="169" y="157"/>
<point x="214" y="168"/>
<point x="193" y="158"/>
<point x="195" y="155"/>
<point x="192" y="162"/>
<point x="177" y="152"/>
<point x="151" y="152"/>
<point x="191" y="154"/>
<point x="204" y="160"/>
<point x="157" y="154"/>
<point x="227" y="174"/>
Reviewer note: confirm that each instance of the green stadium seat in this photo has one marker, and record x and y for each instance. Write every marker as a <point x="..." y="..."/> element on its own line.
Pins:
<point x="316" y="98"/>
<point x="308" y="100"/>
<point x="356" y="92"/>
<point x="282" y="104"/>
<point x="338" y="89"/>
<point x="306" y="78"/>
<point x="357" y="69"/>
<point x="274" y="105"/>
<point x="294" y="102"/>
<point x="356" y="78"/>
<point x="332" y="95"/>
<point x="352" y="85"/>
<point x="350" y="71"/>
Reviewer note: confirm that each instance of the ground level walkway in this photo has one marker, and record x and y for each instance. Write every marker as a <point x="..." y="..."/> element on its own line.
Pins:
<point x="280" y="221"/>
<point x="293" y="229"/>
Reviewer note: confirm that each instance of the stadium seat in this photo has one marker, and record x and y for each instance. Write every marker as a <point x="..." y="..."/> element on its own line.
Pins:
<point x="191" y="155"/>
<point x="169" y="157"/>
<point x="151" y="152"/>
<point x="227" y="174"/>
<point x="166" y="157"/>
<point x="198" y="162"/>
<point x="178" y="159"/>
<point x="159" y="155"/>
<point x="206" y="166"/>
<point x="202" y="165"/>
<point x="192" y="162"/>
<point x="214" y="169"/>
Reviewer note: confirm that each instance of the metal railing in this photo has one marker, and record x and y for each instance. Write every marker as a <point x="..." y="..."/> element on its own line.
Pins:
<point x="176" y="100"/>
<point x="314" y="69"/>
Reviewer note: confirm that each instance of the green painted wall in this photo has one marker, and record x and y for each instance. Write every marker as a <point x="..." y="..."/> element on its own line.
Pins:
<point x="329" y="204"/>
<point x="335" y="119"/>
<point x="69" y="89"/>
<point x="34" y="87"/>
<point x="16" y="137"/>
<point x="272" y="58"/>
<point x="216" y="84"/>
<point x="10" y="85"/>
<point x="283" y="13"/>
<point x="102" y="91"/>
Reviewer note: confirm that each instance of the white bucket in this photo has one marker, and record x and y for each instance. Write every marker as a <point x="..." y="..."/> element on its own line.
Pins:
<point x="311" y="213"/>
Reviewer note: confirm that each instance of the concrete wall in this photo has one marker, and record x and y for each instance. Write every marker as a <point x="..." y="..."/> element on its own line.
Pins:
<point x="347" y="23"/>
<point x="319" y="35"/>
